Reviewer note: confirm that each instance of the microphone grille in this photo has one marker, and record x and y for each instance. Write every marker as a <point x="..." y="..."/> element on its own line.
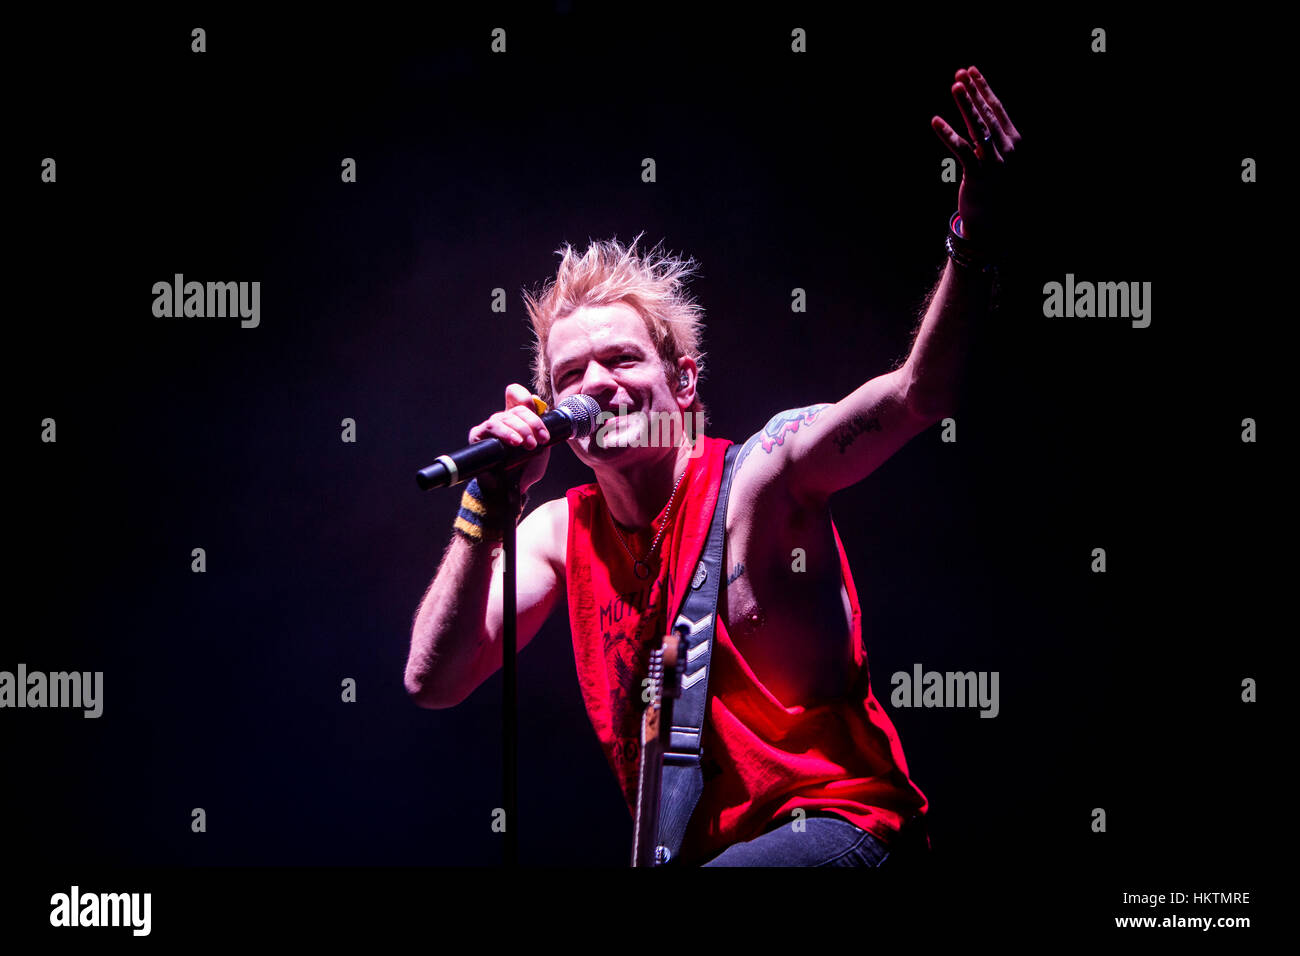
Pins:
<point x="584" y="410"/>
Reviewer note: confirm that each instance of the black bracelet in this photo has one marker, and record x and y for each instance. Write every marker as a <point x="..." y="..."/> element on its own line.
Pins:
<point x="964" y="252"/>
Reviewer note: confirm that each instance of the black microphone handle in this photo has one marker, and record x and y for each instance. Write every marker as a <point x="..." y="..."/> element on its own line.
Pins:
<point x="486" y="454"/>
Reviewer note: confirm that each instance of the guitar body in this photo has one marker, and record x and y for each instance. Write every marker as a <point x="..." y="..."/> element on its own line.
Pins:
<point x="666" y="666"/>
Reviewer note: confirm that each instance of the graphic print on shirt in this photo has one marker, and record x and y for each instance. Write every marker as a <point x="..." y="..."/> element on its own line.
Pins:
<point x="630" y="632"/>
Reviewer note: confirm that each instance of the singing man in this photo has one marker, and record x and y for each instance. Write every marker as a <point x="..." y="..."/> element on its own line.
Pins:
<point x="801" y="765"/>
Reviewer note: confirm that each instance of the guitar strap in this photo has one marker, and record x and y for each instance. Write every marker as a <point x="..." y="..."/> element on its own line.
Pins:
<point x="683" y="778"/>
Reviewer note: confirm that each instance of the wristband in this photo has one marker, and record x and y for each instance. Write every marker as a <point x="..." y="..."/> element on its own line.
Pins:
<point x="964" y="252"/>
<point x="480" y="517"/>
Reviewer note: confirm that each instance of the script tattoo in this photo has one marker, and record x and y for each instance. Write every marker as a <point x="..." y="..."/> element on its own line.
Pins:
<point x="737" y="572"/>
<point x="844" y="434"/>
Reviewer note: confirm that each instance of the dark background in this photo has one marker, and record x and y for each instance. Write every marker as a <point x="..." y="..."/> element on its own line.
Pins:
<point x="222" y="690"/>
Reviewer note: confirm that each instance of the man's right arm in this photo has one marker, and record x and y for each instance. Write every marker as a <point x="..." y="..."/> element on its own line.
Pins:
<point x="457" y="631"/>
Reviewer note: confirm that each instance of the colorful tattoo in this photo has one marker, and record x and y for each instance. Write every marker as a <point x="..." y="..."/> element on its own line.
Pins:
<point x="780" y="425"/>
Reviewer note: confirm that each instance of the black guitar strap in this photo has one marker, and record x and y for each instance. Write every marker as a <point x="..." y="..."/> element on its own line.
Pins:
<point x="683" y="779"/>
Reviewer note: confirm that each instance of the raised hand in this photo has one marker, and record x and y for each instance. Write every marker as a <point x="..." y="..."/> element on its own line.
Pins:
<point x="987" y="178"/>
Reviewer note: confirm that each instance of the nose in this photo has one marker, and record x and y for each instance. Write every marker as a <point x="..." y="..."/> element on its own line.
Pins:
<point x="597" y="381"/>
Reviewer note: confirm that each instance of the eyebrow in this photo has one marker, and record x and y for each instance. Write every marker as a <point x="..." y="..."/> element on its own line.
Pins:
<point x="562" y="367"/>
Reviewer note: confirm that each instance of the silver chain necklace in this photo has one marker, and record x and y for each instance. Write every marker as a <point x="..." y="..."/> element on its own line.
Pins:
<point x="640" y="568"/>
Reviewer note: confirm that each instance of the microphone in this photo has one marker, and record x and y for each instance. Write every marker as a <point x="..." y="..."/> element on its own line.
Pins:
<point x="574" y="417"/>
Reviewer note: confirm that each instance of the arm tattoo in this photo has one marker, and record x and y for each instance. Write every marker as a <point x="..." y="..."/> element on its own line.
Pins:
<point x="844" y="434"/>
<point x="744" y="452"/>
<point x="780" y="425"/>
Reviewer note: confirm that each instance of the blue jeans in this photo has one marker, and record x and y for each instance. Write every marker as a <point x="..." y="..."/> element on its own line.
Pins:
<point x="825" y="840"/>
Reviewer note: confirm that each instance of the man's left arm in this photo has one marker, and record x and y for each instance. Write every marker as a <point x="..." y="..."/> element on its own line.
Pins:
<point x="835" y="446"/>
<point x="839" y="445"/>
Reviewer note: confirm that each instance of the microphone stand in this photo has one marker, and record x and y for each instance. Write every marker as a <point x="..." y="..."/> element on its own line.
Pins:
<point x="580" y="411"/>
<point x="509" y="697"/>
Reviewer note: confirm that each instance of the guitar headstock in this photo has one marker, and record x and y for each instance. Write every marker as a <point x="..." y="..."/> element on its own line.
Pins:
<point x="667" y="665"/>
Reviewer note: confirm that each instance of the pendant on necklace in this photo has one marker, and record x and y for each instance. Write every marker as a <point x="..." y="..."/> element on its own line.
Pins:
<point x="641" y="569"/>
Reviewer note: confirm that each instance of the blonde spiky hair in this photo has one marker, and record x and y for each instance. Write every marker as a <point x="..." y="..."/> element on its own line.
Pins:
<point x="653" y="284"/>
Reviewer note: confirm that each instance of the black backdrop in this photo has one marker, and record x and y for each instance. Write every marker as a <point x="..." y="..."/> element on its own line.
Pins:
<point x="222" y="690"/>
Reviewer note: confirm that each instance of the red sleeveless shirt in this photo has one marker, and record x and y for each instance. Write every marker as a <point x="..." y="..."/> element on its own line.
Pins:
<point x="761" y="759"/>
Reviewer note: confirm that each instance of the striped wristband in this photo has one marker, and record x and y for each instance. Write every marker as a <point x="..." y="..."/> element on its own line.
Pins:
<point x="480" y="518"/>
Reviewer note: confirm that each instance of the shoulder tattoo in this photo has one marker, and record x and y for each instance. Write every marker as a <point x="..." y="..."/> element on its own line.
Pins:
<point x="778" y="427"/>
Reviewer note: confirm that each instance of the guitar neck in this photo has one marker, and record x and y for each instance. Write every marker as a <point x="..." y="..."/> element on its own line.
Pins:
<point x="644" y="836"/>
<point x="647" y="800"/>
<point x="656" y="729"/>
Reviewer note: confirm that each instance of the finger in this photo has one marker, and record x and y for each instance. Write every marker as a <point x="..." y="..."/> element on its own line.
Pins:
<point x="962" y="99"/>
<point x="999" y="110"/>
<point x="960" y="148"/>
<point x="501" y="426"/>
<point x="529" y="419"/>
<point x="510" y="435"/>
<point x="979" y="129"/>
<point x="487" y="429"/>
<point x="1001" y="143"/>
<point x="988" y="134"/>
<point x="517" y="394"/>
